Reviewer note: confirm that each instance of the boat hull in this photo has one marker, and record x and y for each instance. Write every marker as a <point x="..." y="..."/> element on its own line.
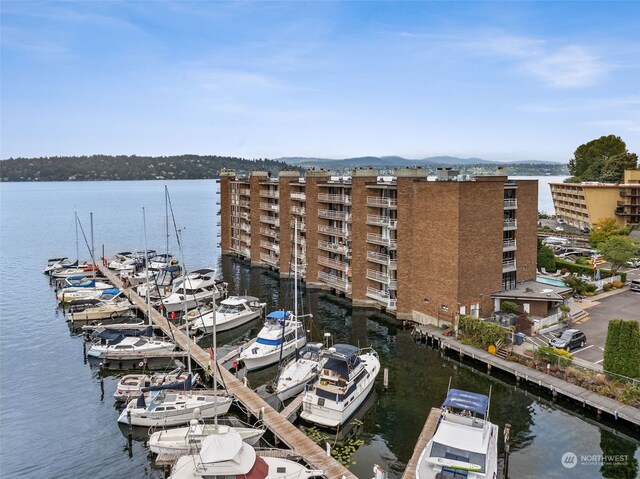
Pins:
<point x="225" y="324"/>
<point x="329" y="413"/>
<point x="254" y="361"/>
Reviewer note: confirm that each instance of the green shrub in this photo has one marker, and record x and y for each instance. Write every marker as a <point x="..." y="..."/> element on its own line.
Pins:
<point x="622" y="348"/>
<point x="481" y="333"/>
<point x="607" y="287"/>
<point x="582" y="260"/>
<point x="557" y="357"/>
<point x="510" y="307"/>
<point x="617" y="284"/>
<point x="587" y="270"/>
<point x="546" y="258"/>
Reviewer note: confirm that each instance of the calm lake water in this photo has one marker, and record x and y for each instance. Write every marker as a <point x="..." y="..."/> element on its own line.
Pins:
<point x="58" y="419"/>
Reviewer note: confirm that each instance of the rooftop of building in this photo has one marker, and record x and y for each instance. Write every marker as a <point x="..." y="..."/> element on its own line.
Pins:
<point x="535" y="291"/>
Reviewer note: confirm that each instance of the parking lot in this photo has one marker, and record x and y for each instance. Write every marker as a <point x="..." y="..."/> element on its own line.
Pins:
<point x="621" y="305"/>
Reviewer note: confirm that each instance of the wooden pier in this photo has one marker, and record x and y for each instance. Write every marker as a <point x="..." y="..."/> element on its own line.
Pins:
<point x="555" y="385"/>
<point x="286" y="432"/>
<point x="427" y="433"/>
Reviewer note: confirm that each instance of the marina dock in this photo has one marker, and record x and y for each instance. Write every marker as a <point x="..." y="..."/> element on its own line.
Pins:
<point x="427" y="433"/>
<point x="555" y="385"/>
<point x="278" y="424"/>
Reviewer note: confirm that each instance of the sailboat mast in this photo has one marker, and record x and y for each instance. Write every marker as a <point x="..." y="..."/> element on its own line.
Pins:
<point x="93" y="248"/>
<point x="77" y="244"/>
<point x="215" y="362"/>
<point x="166" y="218"/>
<point x="295" y="277"/>
<point x="146" y="265"/>
<point x="184" y="292"/>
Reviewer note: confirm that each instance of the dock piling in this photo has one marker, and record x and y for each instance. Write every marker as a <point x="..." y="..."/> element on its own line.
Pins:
<point x="507" y="431"/>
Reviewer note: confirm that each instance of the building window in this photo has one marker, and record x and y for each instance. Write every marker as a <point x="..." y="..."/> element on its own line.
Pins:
<point x="508" y="280"/>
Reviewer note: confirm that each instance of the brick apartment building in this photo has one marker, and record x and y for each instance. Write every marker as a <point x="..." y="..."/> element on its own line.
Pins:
<point x="420" y="248"/>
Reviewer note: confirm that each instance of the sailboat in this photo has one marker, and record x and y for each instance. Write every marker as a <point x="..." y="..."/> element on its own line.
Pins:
<point x="188" y="440"/>
<point x="175" y="404"/>
<point x="304" y="367"/>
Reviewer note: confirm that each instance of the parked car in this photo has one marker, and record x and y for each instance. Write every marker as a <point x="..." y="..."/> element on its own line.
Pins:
<point x="569" y="339"/>
<point x="561" y="221"/>
<point x="585" y="229"/>
<point x="559" y="228"/>
<point x="635" y="285"/>
<point x="633" y="263"/>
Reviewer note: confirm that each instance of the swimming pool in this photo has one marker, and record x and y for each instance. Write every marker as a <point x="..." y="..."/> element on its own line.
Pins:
<point x="551" y="281"/>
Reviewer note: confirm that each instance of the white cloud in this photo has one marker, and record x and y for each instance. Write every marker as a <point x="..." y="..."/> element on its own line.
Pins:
<point x="569" y="67"/>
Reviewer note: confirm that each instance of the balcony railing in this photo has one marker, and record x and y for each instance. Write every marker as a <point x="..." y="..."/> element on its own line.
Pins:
<point x="333" y="263"/>
<point x="245" y="227"/>
<point x="245" y="239"/>
<point x="245" y="191"/>
<point x="381" y="240"/>
<point x="298" y="210"/>
<point x="269" y="206"/>
<point x="270" y="246"/>
<point x="299" y="196"/>
<point x="333" y="231"/>
<point x="509" y="265"/>
<point x="335" y="247"/>
<point x="510" y="203"/>
<point x="244" y="204"/>
<point x="269" y="259"/>
<point x="510" y="224"/>
<point x="382" y="202"/>
<point x="334" y="215"/>
<point x="245" y="216"/>
<point x="301" y="226"/>
<point x="269" y="194"/>
<point x="382" y="296"/>
<point x="272" y="220"/>
<point x="269" y="232"/>
<point x="509" y="245"/>
<point x="335" y="281"/>
<point x="376" y="220"/>
<point x="378" y="276"/>
<point x="378" y="257"/>
<point x="327" y="198"/>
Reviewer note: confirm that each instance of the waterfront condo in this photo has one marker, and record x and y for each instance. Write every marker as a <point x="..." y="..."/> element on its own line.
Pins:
<point x="421" y="248"/>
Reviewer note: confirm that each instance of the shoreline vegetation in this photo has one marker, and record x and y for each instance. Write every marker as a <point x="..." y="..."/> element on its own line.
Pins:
<point x="191" y="167"/>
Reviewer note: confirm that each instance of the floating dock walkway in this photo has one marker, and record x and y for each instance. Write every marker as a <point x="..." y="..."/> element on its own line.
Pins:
<point x="277" y="423"/>
<point x="427" y="433"/>
<point x="555" y="385"/>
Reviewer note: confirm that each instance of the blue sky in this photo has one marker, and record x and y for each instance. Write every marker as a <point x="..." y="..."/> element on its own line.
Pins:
<point x="497" y="80"/>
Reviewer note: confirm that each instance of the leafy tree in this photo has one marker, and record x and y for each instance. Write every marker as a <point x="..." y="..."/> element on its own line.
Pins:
<point x="604" y="159"/>
<point x="617" y="250"/>
<point x="546" y="259"/>
<point x="603" y="229"/>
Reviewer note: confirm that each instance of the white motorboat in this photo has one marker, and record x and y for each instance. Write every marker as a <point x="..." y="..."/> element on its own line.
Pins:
<point x="188" y="439"/>
<point x="162" y="260"/>
<point x="232" y="312"/>
<point x="80" y="270"/>
<point x="225" y="455"/>
<point x="128" y="344"/>
<point x="279" y="338"/>
<point x="194" y="289"/>
<point x="109" y="304"/>
<point x="465" y="443"/>
<point x="168" y="405"/>
<point x="301" y="370"/>
<point x="161" y="284"/>
<point x="346" y="379"/>
<point x="121" y="260"/>
<point x="131" y="385"/>
<point x="62" y="262"/>
<point x="87" y="289"/>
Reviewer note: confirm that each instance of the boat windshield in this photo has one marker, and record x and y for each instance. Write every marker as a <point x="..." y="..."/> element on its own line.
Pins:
<point x="230" y="308"/>
<point x="455" y="454"/>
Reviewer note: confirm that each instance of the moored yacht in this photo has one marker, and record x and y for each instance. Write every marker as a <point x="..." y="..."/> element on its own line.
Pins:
<point x="193" y="289"/>
<point x="131" y="385"/>
<point x="232" y="312"/>
<point x="225" y="455"/>
<point x="301" y="370"/>
<point x="174" y="405"/>
<point x="118" y="343"/>
<point x="279" y="338"/>
<point x="345" y="381"/>
<point x="465" y="443"/>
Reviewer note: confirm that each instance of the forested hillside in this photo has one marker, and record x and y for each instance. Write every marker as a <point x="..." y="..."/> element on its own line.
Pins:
<point x="103" y="167"/>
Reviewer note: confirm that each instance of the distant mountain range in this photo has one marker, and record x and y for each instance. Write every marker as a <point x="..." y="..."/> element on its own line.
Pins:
<point x="399" y="161"/>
